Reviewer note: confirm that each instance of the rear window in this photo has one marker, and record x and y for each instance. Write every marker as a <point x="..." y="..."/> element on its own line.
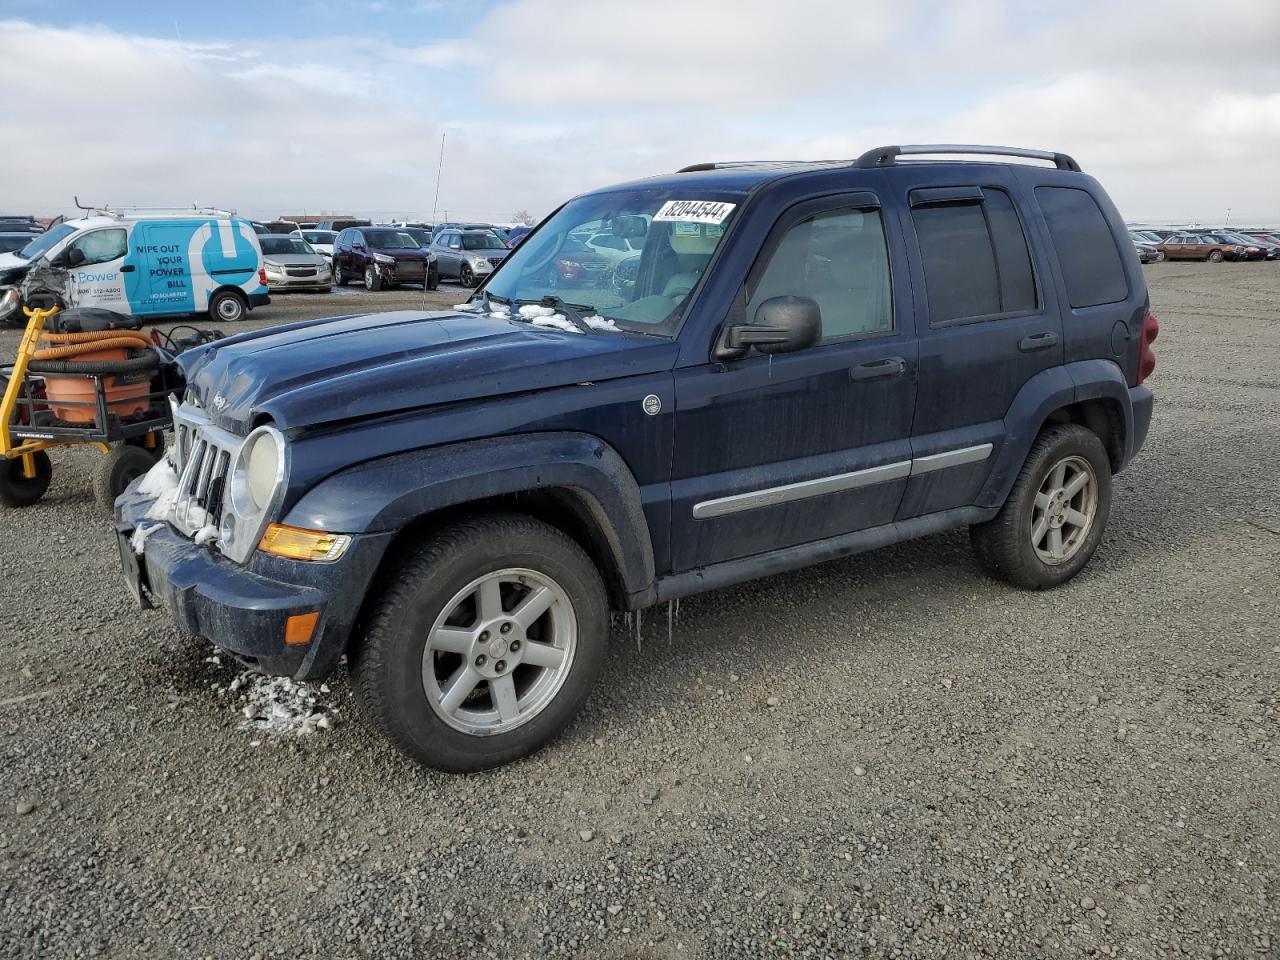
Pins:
<point x="976" y="262"/>
<point x="1091" y="264"/>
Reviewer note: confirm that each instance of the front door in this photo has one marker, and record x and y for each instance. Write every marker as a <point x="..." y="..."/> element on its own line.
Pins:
<point x="97" y="279"/>
<point x="777" y="450"/>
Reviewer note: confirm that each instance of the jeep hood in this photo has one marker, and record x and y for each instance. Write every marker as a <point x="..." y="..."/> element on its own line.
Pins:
<point x="322" y="371"/>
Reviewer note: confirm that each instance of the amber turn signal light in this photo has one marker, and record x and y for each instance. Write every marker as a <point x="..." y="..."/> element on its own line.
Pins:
<point x="295" y="543"/>
<point x="299" y="627"/>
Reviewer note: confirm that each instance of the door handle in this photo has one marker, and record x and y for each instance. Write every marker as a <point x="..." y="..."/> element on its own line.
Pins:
<point x="127" y="268"/>
<point x="875" y="369"/>
<point x="1037" y="341"/>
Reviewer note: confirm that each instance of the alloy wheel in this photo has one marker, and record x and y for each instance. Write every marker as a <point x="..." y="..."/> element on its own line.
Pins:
<point x="499" y="652"/>
<point x="1064" y="510"/>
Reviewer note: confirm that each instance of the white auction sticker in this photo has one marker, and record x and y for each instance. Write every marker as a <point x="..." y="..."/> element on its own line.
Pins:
<point x="694" y="211"/>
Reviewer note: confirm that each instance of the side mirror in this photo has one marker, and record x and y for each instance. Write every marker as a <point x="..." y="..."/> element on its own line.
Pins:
<point x="74" y="257"/>
<point x="781" y="325"/>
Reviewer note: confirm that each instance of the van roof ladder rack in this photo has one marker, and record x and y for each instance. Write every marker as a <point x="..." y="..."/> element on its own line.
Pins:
<point x="887" y="156"/>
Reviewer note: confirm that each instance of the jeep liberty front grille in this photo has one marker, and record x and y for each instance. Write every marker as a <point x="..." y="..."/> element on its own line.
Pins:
<point x="204" y="456"/>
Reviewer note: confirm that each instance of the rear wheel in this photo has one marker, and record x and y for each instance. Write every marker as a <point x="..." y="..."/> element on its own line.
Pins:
<point x="483" y="643"/>
<point x="1053" y="520"/>
<point x="1215" y="256"/>
<point x="120" y="467"/>
<point x="17" y="490"/>
<point x="228" y="306"/>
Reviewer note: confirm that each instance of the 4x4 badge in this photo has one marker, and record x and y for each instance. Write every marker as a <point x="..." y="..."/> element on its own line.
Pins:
<point x="652" y="404"/>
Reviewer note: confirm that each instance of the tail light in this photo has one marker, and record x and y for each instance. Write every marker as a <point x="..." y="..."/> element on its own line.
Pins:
<point x="262" y="276"/>
<point x="1147" y="356"/>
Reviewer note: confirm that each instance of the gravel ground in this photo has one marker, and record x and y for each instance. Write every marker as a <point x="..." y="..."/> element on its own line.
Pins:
<point x="888" y="755"/>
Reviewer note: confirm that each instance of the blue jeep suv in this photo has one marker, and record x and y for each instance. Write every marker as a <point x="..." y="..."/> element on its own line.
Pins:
<point x="807" y="360"/>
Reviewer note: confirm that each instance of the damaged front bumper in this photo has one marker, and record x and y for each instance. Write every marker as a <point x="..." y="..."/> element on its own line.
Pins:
<point x="244" y="609"/>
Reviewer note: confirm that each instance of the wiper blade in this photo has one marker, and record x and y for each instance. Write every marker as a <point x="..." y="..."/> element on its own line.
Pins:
<point x="570" y="310"/>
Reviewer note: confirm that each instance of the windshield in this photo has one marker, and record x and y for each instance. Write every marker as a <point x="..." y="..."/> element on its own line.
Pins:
<point x="46" y="241"/>
<point x="319" y="236"/>
<point x="641" y="284"/>
<point x="390" y="240"/>
<point x="482" y="241"/>
<point x="279" y="244"/>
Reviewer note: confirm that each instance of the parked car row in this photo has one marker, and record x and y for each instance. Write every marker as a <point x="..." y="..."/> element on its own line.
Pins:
<point x="1206" y="243"/>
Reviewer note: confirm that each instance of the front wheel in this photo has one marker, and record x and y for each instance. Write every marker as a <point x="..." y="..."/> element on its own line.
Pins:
<point x="467" y="277"/>
<point x="340" y="277"/>
<point x="483" y="642"/>
<point x="227" y="306"/>
<point x="1161" y="256"/>
<point x="17" y="490"/>
<point x="372" y="281"/>
<point x="1053" y="520"/>
<point x="1215" y="256"/>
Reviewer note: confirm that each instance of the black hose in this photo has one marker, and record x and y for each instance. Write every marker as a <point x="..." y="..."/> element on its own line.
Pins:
<point x="148" y="361"/>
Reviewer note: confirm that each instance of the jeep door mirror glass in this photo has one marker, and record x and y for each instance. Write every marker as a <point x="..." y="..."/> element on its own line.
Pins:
<point x="781" y="325"/>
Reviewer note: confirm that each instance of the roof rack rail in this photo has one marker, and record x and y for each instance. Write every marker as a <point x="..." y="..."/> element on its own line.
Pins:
<point x="107" y="211"/>
<point x="887" y="156"/>
<point x="731" y="164"/>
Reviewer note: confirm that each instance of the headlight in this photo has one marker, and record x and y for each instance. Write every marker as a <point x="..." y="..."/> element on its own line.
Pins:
<point x="272" y="266"/>
<point x="383" y="259"/>
<point x="259" y="471"/>
<point x="10" y="301"/>
<point x="479" y="262"/>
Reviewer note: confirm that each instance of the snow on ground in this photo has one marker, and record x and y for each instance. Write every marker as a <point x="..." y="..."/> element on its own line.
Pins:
<point x="279" y="706"/>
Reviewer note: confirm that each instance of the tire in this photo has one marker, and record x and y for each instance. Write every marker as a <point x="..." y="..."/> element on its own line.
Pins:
<point x="120" y="467"/>
<point x="1006" y="546"/>
<point x="433" y="277"/>
<point x="466" y="277"/>
<point x="19" y="491"/>
<point x="1161" y="256"/>
<point x="155" y="453"/>
<point x="229" y="306"/>
<point x="371" y="279"/>
<point x="340" y="279"/>
<point x="1215" y="256"/>
<point x="396" y="654"/>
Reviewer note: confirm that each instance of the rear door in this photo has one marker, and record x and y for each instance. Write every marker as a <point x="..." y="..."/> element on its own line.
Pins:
<point x="987" y="321"/>
<point x="776" y="450"/>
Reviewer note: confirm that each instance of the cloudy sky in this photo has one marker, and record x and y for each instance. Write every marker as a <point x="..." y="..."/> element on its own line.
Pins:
<point x="340" y="104"/>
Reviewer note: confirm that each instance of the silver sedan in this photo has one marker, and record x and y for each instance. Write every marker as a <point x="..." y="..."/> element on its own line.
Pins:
<point x="293" y="264"/>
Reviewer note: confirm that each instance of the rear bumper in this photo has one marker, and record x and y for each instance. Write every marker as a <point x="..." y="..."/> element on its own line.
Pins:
<point x="1141" y="402"/>
<point x="244" y="609"/>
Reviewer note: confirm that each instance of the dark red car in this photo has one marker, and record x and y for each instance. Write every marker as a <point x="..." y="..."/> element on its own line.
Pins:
<point x="382" y="257"/>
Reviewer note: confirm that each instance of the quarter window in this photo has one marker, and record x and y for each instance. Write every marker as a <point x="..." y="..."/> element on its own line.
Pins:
<point x="975" y="257"/>
<point x="1091" y="264"/>
<point x="101" y="246"/>
<point x="839" y="259"/>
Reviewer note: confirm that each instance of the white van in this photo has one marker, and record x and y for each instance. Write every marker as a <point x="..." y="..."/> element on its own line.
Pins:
<point x="142" y="264"/>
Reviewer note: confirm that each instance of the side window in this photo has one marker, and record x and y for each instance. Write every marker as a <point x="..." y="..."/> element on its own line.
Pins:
<point x="1090" y="259"/>
<point x="101" y="246"/>
<point x="838" y="258"/>
<point x="975" y="258"/>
